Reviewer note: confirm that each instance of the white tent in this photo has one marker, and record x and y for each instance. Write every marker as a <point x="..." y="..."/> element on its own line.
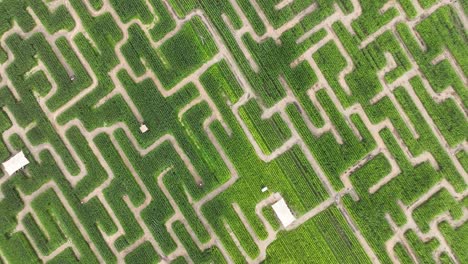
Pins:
<point x="283" y="212"/>
<point x="143" y="128"/>
<point x="15" y="163"/>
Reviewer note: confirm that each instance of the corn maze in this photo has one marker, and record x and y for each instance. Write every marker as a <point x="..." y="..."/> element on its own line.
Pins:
<point x="171" y="131"/>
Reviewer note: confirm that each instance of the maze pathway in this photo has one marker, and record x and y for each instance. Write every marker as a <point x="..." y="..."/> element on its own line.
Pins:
<point x="163" y="131"/>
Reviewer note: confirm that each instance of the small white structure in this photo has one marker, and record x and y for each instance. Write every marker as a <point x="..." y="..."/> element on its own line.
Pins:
<point x="15" y="163"/>
<point x="264" y="189"/>
<point x="283" y="212"/>
<point x="143" y="128"/>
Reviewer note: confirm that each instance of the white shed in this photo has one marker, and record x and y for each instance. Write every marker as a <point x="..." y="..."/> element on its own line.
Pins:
<point x="283" y="212"/>
<point x="15" y="163"/>
<point x="143" y="128"/>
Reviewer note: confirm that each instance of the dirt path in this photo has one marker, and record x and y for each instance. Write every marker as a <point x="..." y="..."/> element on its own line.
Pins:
<point x="27" y="209"/>
<point x="433" y="232"/>
<point x="224" y="54"/>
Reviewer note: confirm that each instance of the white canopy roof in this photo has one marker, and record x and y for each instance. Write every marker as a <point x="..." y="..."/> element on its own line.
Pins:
<point x="283" y="212"/>
<point x="15" y="163"/>
<point x="143" y="128"/>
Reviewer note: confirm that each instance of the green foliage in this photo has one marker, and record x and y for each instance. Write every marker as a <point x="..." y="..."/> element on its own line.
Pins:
<point x="326" y="238"/>
<point x="440" y="202"/>
<point x="133" y="185"/>
<point x="457" y="239"/>
<point x="128" y="10"/>
<point x="142" y="254"/>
